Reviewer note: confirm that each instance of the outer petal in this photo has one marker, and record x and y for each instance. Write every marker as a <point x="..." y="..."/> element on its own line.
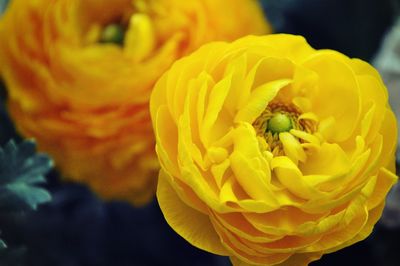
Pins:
<point x="385" y="181"/>
<point x="192" y="225"/>
<point x="337" y="84"/>
<point x="389" y="133"/>
<point x="302" y="259"/>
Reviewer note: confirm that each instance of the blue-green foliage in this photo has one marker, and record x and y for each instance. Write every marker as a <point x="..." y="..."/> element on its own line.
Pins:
<point x="3" y="4"/>
<point x="21" y="170"/>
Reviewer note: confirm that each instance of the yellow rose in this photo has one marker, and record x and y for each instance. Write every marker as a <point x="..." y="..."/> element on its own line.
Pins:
<point x="79" y="76"/>
<point x="271" y="152"/>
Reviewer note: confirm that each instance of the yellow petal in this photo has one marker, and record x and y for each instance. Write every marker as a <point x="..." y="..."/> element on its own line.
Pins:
<point x="206" y="82"/>
<point x="234" y="199"/>
<point x="305" y="83"/>
<point x="249" y="166"/>
<point x="237" y="68"/>
<point x="215" y="104"/>
<point x="283" y="221"/>
<point x="192" y="225"/>
<point x="259" y="99"/>
<point x="375" y="98"/>
<point x="219" y="172"/>
<point x="288" y="244"/>
<point x="166" y="147"/>
<point x="243" y="252"/>
<point x="292" y="147"/>
<point x="385" y="181"/>
<point x="389" y="134"/>
<point x="307" y="138"/>
<point x="337" y="83"/>
<point x="373" y="217"/>
<point x="327" y="127"/>
<point x="291" y="177"/>
<point x="293" y="47"/>
<point x="330" y="159"/>
<point x="353" y="221"/>
<point x="236" y="223"/>
<point x="254" y="181"/>
<point x="140" y="38"/>
<point x="301" y="259"/>
<point x="362" y="68"/>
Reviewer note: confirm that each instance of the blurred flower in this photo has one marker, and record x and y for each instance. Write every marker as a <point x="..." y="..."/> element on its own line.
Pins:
<point x="272" y="152"/>
<point x="79" y="75"/>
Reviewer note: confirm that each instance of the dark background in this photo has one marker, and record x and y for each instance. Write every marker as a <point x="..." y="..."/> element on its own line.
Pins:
<point x="77" y="229"/>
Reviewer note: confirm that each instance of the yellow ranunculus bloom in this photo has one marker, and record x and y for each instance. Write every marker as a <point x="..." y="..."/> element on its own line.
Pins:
<point x="79" y="76"/>
<point x="272" y="153"/>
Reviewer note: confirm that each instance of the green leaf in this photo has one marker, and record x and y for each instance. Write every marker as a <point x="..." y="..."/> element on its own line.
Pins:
<point x="3" y="5"/>
<point x="2" y="244"/>
<point x="32" y="195"/>
<point x="22" y="170"/>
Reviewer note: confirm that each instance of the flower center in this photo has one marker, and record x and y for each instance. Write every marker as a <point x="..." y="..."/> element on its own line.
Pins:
<point x="279" y="122"/>
<point x="113" y="33"/>
<point x="278" y="118"/>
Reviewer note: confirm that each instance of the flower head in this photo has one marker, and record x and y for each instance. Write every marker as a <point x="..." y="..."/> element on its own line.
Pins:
<point x="272" y="152"/>
<point x="79" y="76"/>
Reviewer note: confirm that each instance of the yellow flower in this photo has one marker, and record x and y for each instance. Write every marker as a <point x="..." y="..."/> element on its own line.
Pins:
<point x="271" y="152"/>
<point x="79" y="76"/>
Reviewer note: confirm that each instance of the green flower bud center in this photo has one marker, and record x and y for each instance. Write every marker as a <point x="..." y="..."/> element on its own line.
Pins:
<point x="279" y="122"/>
<point x="113" y="33"/>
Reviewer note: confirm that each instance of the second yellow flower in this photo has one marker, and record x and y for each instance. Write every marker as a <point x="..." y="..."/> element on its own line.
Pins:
<point x="79" y="75"/>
